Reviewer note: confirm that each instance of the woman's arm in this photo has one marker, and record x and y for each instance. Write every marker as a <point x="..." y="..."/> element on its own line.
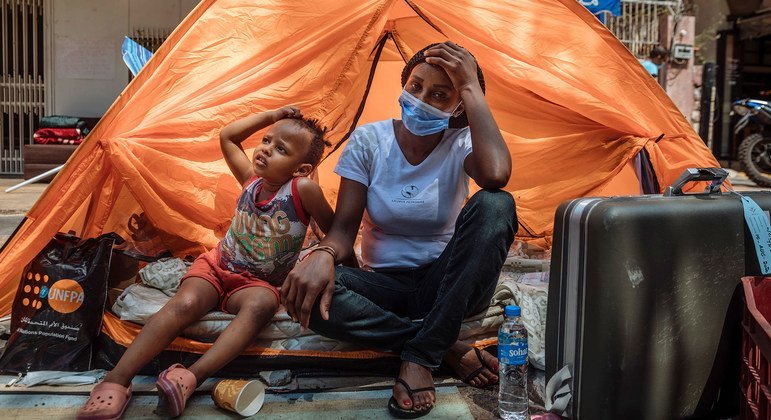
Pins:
<point x="490" y="162"/>
<point x="315" y="204"/>
<point x="233" y="134"/>
<point x="315" y="275"/>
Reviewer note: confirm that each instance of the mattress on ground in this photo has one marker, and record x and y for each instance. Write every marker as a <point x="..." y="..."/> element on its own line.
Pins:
<point x="139" y="302"/>
<point x="523" y="282"/>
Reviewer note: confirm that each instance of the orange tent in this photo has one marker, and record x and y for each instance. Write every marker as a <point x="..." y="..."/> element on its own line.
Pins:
<point x="574" y="105"/>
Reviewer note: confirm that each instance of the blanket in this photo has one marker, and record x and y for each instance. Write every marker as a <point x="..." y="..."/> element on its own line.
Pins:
<point x="522" y="282"/>
<point x="58" y="136"/>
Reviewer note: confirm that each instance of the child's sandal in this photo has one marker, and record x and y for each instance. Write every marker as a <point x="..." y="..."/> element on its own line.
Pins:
<point x="108" y="401"/>
<point x="175" y="386"/>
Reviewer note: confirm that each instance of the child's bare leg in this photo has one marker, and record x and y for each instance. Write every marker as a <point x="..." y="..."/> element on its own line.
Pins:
<point x="254" y="307"/>
<point x="194" y="299"/>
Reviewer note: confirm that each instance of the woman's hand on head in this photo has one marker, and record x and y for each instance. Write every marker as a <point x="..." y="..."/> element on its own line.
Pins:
<point x="459" y="64"/>
<point x="286" y="112"/>
<point x="311" y="277"/>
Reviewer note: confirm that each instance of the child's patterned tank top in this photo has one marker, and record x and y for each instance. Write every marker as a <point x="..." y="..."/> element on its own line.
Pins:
<point x="265" y="238"/>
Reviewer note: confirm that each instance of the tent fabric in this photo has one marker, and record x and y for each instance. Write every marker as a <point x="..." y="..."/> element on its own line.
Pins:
<point x="574" y="106"/>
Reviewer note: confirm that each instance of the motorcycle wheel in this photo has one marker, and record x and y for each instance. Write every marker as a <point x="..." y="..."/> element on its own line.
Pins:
<point x="755" y="158"/>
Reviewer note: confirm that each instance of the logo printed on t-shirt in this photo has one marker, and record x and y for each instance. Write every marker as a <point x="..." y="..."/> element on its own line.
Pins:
<point x="271" y="237"/>
<point x="409" y="194"/>
<point x="409" y="191"/>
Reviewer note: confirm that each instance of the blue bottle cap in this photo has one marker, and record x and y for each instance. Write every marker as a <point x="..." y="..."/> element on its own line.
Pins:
<point x="512" y="310"/>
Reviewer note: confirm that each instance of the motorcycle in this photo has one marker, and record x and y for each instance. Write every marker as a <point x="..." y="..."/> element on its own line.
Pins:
<point x="753" y="130"/>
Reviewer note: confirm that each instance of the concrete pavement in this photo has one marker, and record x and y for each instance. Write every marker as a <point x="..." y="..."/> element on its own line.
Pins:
<point x="14" y="205"/>
<point x="19" y="201"/>
<point x="8" y="224"/>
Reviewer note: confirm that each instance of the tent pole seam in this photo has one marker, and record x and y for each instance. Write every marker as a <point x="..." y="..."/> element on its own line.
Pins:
<point x="422" y="16"/>
<point x="324" y="103"/>
<point x="393" y="35"/>
<point x="375" y="60"/>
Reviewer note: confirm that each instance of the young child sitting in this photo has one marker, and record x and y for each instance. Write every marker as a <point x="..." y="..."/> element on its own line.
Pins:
<point x="241" y="274"/>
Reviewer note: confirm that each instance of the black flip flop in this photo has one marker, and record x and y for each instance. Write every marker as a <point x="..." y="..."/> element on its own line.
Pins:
<point x="404" y="413"/>
<point x="484" y="366"/>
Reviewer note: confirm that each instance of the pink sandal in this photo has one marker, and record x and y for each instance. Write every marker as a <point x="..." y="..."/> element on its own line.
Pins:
<point x="175" y="386"/>
<point x="108" y="401"/>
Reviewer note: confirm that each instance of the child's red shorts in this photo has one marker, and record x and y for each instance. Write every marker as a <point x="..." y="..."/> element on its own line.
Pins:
<point x="207" y="267"/>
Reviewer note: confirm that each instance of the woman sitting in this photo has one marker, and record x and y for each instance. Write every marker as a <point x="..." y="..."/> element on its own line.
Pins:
<point x="430" y="261"/>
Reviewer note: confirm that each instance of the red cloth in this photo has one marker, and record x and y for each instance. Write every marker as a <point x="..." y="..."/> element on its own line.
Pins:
<point x="58" y="136"/>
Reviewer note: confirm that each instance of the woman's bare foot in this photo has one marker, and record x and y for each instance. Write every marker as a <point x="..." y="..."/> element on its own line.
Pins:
<point x="417" y="377"/>
<point x="466" y="363"/>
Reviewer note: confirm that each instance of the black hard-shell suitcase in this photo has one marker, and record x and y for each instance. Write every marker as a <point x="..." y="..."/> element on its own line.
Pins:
<point x="644" y="305"/>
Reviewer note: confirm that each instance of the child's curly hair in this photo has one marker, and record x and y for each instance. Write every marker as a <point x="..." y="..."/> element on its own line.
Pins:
<point x="318" y="143"/>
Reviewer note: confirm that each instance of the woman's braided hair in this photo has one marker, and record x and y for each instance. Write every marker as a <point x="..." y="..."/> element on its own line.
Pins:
<point x="455" y="122"/>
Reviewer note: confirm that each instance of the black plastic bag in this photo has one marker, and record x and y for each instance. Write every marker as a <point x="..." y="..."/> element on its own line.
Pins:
<point x="57" y="311"/>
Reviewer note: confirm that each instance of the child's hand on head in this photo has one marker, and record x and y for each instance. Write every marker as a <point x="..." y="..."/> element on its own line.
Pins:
<point x="286" y="112"/>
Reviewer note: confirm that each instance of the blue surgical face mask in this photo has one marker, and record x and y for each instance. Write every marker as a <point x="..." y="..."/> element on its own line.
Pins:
<point x="422" y="119"/>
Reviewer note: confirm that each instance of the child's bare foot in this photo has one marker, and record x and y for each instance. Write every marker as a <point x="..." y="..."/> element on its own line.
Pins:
<point x="475" y="367"/>
<point x="414" y="393"/>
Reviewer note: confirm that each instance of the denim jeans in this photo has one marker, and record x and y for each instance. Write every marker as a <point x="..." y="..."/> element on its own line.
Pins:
<point x="418" y="311"/>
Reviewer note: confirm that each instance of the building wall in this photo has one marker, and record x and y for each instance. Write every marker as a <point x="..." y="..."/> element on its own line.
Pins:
<point x="87" y="71"/>
<point x="678" y="81"/>
<point x="710" y="18"/>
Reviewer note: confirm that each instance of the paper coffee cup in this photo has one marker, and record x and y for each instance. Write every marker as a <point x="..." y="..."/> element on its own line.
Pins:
<point x="243" y="397"/>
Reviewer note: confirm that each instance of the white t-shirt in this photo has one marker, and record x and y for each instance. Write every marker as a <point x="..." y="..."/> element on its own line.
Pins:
<point x="411" y="210"/>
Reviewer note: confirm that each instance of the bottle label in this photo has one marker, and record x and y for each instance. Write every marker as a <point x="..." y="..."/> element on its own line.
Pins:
<point x="512" y="350"/>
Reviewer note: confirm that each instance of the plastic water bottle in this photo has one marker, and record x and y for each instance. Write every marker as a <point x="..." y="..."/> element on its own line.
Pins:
<point x="512" y="366"/>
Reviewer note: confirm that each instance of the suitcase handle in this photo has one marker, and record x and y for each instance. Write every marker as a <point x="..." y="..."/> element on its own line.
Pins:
<point x="716" y="175"/>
